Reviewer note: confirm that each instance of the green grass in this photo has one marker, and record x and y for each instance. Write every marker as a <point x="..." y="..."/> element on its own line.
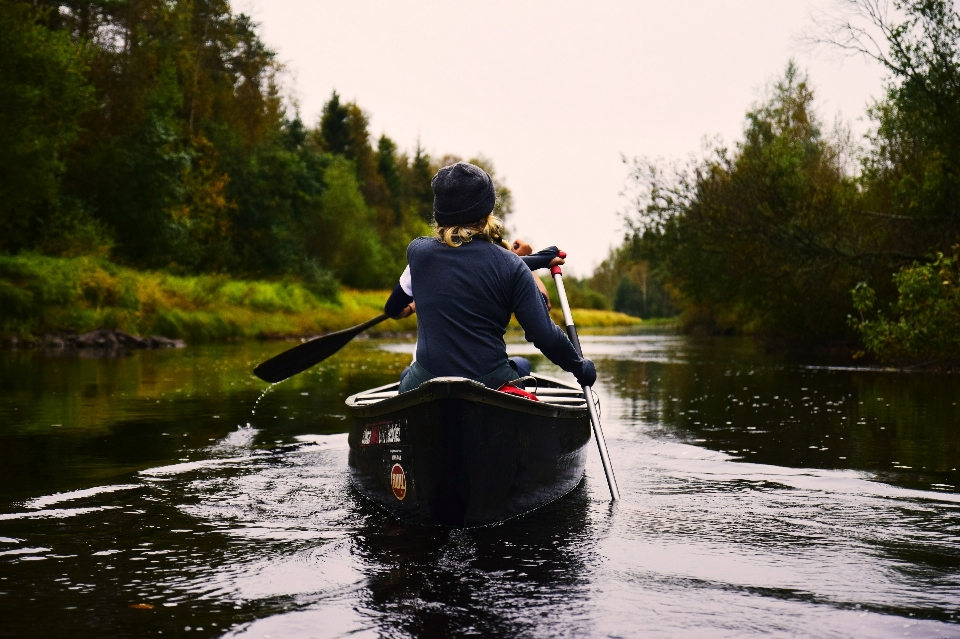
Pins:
<point x="662" y="322"/>
<point x="40" y="294"/>
<point x="596" y="318"/>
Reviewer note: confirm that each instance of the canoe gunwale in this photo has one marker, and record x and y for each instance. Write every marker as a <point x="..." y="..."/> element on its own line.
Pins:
<point x="464" y="389"/>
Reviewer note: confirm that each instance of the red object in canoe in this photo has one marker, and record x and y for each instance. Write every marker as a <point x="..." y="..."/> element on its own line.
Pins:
<point x="519" y="392"/>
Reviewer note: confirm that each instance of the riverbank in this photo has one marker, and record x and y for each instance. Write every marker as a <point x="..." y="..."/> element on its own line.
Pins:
<point x="42" y="295"/>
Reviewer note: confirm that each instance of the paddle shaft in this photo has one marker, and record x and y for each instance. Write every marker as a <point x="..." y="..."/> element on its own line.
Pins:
<point x="359" y="328"/>
<point x="587" y="391"/>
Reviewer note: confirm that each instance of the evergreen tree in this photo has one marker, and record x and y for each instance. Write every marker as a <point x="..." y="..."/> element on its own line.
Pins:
<point x="335" y="131"/>
<point x="415" y="175"/>
<point x="388" y="169"/>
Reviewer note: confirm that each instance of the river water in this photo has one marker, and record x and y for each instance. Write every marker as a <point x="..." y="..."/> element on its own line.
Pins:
<point x="765" y="493"/>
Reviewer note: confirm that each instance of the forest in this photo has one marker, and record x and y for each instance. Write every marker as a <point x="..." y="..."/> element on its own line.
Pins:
<point x="156" y="134"/>
<point x="799" y="230"/>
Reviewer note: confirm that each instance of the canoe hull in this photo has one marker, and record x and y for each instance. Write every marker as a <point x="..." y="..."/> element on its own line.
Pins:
<point x="457" y="454"/>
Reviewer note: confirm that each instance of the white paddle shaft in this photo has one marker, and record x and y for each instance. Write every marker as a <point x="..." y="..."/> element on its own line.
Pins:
<point x="587" y="391"/>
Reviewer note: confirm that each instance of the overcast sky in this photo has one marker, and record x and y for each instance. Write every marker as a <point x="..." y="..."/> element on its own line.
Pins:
<point x="555" y="92"/>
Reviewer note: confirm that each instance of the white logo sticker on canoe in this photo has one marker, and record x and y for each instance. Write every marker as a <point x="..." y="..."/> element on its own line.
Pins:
<point x="382" y="433"/>
<point x="398" y="481"/>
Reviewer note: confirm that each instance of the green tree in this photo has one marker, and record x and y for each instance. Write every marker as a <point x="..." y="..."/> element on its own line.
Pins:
<point x="334" y="133"/>
<point x="416" y="179"/>
<point x="278" y="192"/>
<point x="631" y="283"/>
<point x="761" y="238"/>
<point x="346" y="241"/>
<point x="344" y="131"/>
<point x="912" y="170"/>
<point x="388" y="168"/>
<point x="187" y="99"/>
<point x="43" y="95"/>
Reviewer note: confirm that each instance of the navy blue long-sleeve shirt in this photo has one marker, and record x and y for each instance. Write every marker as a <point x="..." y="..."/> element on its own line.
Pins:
<point x="465" y="297"/>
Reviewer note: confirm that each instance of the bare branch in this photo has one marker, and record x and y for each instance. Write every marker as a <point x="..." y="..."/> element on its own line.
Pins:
<point x="857" y="27"/>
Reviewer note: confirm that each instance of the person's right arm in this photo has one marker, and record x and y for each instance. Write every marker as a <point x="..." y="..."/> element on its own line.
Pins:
<point x="400" y="304"/>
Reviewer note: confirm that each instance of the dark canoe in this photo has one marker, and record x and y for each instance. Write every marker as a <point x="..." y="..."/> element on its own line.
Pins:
<point x="455" y="453"/>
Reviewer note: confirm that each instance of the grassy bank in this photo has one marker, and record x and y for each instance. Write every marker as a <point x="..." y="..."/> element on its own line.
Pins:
<point x="41" y="295"/>
<point x="593" y="318"/>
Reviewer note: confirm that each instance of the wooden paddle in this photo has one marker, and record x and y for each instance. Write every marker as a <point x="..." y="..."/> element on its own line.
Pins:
<point x="301" y="357"/>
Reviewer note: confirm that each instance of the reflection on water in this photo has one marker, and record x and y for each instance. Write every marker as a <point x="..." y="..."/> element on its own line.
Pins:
<point x="763" y="494"/>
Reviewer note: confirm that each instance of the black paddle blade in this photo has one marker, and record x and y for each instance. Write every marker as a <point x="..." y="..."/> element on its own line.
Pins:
<point x="303" y="356"/>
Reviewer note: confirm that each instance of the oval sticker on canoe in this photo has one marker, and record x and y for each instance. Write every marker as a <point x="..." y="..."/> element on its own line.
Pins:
<point x="398" y="481"/>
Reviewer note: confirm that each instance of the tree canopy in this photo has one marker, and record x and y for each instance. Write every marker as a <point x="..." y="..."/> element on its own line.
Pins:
<point x="772" y="234"/>
<point x="155" y="132"/>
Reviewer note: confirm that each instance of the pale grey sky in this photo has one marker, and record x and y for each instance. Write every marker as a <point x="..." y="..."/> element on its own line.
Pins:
<point x="555" y="91"/>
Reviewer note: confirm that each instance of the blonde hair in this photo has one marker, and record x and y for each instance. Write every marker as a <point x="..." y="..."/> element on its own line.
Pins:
<point x="489" y="228"/>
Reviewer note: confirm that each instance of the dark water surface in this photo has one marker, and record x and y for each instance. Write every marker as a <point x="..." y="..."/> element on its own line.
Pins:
<point x="763" y="494"/>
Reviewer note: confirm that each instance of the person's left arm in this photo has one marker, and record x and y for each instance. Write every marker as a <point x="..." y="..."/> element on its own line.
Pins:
<point x="545" y="335"/>
<point x="544" y="258"/>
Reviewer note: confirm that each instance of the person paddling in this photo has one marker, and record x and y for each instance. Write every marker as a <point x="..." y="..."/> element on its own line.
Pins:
<point x="467" y="283"/>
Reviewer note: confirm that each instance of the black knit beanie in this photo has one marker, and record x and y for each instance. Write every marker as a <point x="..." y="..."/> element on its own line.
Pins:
<point x="462" y="194"/>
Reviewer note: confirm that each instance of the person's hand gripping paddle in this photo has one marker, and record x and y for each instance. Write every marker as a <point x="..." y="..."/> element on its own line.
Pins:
<point x="587" y="391"/>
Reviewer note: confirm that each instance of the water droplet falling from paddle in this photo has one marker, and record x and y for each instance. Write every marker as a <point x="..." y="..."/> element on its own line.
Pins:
<point x="253" y="411"/>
